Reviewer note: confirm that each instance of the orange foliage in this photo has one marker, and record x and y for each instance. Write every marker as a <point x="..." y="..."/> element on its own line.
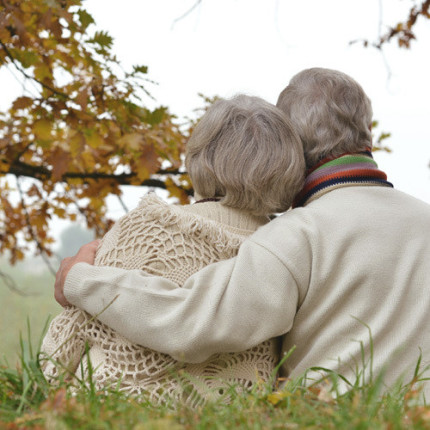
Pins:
<point x="80" y="130"/>
<point x="403" y="32"/>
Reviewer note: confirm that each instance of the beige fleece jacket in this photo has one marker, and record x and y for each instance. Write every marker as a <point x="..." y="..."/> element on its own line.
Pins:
<point x="350" y="268"/>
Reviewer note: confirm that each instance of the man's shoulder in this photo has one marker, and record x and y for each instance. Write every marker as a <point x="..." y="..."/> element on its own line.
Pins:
<point x="293" y="228"/>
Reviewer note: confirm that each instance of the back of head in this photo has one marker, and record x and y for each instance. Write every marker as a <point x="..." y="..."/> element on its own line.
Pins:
<point x="246" y="152"/>
<point x="330" y="111"/>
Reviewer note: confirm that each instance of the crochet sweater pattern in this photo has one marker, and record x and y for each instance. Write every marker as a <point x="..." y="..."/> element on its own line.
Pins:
<point x="173" y="242"/>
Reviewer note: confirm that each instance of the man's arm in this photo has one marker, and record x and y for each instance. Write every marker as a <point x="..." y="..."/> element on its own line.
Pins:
<point x="86" y="254"/>
<point x="228" y="306"/>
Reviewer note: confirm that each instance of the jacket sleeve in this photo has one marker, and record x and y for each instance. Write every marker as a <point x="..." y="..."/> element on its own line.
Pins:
<point x="228" y="306"/>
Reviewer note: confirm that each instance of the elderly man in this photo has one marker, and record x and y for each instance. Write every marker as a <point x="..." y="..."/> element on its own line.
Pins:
<point x="345" y="271"/>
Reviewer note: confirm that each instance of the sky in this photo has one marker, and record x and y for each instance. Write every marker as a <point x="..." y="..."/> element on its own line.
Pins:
<point x="223" y="47"/>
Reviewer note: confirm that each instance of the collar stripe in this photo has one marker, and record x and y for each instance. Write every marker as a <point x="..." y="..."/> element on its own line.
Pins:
<point x="346" y="170"/>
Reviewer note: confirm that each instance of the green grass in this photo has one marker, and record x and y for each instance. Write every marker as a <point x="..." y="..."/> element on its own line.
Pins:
<point x="28" y="401"/>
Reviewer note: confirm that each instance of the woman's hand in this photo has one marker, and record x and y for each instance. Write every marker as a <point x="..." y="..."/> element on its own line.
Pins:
<point x="86" y="254"/>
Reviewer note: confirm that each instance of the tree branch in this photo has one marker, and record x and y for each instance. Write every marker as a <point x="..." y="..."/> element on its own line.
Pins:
<point x="18" y="168"/>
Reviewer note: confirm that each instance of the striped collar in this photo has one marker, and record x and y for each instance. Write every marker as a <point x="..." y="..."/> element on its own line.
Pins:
<point x="336" y="172"/>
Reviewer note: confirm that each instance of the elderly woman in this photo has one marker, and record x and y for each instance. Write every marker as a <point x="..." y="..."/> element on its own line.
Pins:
<point x="246" y="163"/>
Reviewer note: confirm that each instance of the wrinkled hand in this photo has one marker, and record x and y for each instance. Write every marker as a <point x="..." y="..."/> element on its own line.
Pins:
<point x="86" y="254"/>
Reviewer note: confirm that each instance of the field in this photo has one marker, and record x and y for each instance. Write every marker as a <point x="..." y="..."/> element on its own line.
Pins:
<point x="36" y="305"/>
<point x="28" y="401"/>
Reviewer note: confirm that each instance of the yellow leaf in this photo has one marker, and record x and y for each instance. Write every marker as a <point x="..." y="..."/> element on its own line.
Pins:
<point x="42" y="72"/>
<point x="60" y="212"/>
<point x="38" y="220"/>
<point x="42" y="129"/>
<point x="76" y="144"/>
<point x="93" y="139"/>
<point x="132" y="141"/>
<point x="175" y="191"/>
<point x="277" y="396"/>
<point x="88" y="159"/>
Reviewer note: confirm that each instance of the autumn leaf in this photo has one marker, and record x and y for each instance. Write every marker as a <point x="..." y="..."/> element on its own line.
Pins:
<point x="131" y="141"/>
<point x="176" y="191"/>
<point x="42" y="72"/>
<point x="39" y="220"/>
<point x="93" y="139"/>
<point x="76" y="140"/>
<point x="76" y="143"/>
<point x="88" y="160"/>
<point x="85" y="18"/>
<point x="156" y="116"/>
<point x="148" y="162"/>
<point x="22" y="103"/>
<point x="140" y="69"/>
<point x="277" y="396"/>
<point x="57" y="402"/>
<point x="60" y="161"/>
<point x="60" y="212"/>
<point x="82" y="98"/>
<point x="42" y="129"/>
<point x="102" y="40"/>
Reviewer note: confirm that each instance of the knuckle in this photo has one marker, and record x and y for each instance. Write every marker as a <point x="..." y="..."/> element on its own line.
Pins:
<point x="64" y="261"/>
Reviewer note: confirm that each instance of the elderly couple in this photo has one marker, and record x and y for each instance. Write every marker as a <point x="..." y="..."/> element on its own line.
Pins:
<point x="190" y="299"/>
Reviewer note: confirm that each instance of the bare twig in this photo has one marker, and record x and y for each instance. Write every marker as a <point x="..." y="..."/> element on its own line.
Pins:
<point x="22" y="83"/>
<point x="384" y="58"/>
<point x="26" y="75"/>
<point x="40" y="247"/>
<point x="11" y="284"/>
<point x="186" y="13"/>
<point x="121" y="202"/>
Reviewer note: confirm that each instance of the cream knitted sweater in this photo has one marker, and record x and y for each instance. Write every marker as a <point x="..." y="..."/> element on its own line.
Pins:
<point x="173" y="242"/>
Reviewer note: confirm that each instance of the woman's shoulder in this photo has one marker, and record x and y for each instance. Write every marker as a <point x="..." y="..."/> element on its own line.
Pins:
<point x="189" y="220"/>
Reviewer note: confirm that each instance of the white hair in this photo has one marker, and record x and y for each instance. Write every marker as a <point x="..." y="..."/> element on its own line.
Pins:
<point x="245" y="151"/>
<point x="330" y="111"/>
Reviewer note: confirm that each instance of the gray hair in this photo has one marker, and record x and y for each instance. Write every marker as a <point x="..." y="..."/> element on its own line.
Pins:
<point x="330" y="111"/>
<point x="245" y="151"/>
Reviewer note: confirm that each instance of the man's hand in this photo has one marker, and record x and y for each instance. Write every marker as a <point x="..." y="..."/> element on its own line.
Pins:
<point x="86" y="254"/>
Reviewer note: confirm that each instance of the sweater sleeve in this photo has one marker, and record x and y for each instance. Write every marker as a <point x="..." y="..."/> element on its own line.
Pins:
<point x="228" y="306"/>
